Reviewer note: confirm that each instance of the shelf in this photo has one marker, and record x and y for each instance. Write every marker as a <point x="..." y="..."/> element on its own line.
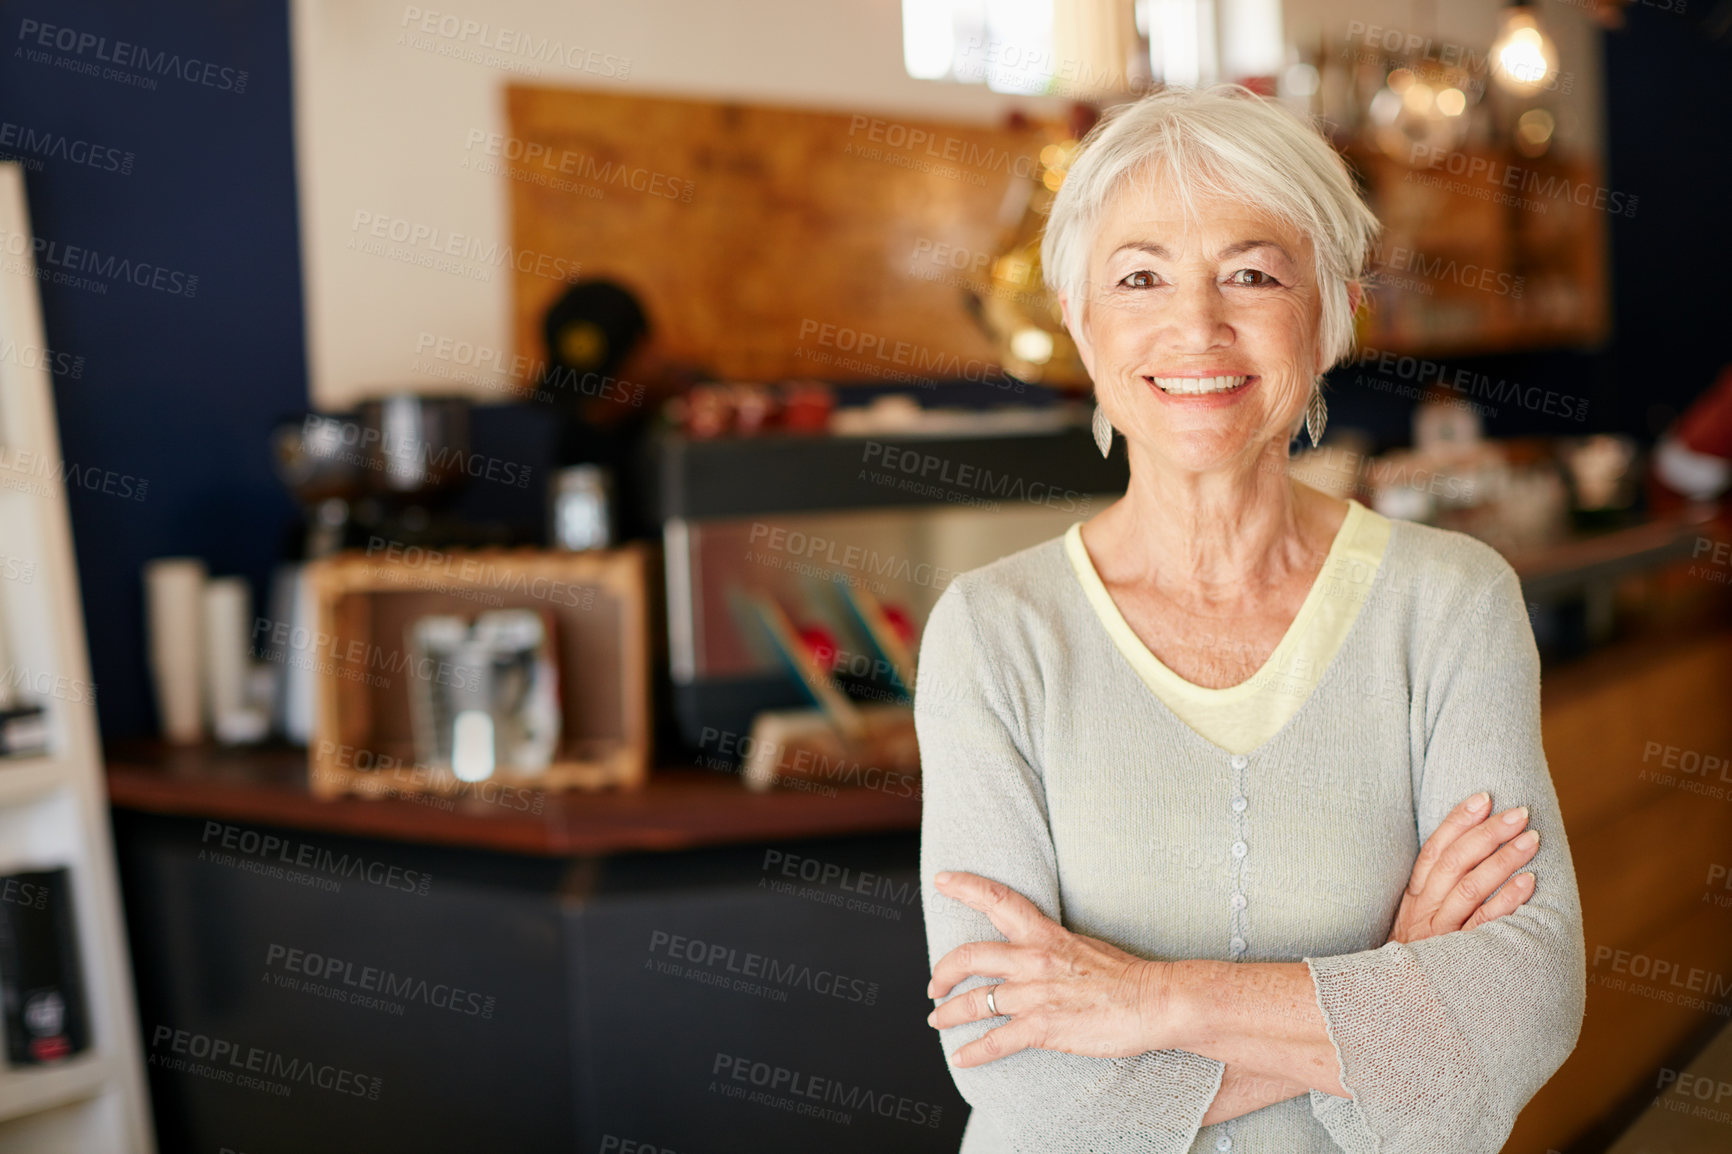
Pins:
<point x="51" y="810"/>
<point x="749" y="477"/>
<point x="26" y="477"/>
<point x="25" y="779"/>
<point x="27" y="1090"/>
<point x="1444" y="241"/>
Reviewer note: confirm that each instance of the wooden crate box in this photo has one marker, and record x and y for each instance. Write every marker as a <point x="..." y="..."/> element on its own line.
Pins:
<point x="364" y="603"/>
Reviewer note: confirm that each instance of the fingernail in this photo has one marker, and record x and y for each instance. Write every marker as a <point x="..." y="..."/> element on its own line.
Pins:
<point x="1528" y="840"/>
<point x="1478" y="801"/>
<point x="1525" y="879"/>
<point x="942" y="878"/>
<point x="1516" y="816"/>
<point x="932" y="1018"/>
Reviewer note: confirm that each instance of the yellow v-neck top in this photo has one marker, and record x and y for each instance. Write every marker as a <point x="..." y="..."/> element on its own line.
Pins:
<point x="1242" y="717"/>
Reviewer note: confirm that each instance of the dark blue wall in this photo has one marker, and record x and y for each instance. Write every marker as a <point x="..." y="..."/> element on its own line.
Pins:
<point x="177" y="390"/>
<point x="180" y="390"/>
<point x="1669" y="114"/>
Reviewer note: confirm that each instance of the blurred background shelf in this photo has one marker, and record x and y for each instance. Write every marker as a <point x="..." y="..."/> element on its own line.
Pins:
<point x="53" y="808"/>
<point x="27" y="1091"/>
<point x="25" y="779"/>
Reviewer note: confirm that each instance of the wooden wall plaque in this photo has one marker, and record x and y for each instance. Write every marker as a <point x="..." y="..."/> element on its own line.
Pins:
<point x="745" y="229"/>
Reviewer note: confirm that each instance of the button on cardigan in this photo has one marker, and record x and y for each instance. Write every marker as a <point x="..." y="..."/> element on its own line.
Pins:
<point x="1049" y="765"/>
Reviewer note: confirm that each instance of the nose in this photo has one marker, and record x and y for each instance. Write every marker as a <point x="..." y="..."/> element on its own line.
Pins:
<point x="1197" y="318"/>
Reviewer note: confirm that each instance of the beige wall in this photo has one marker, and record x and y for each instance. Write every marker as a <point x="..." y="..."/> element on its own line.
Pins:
<point x="381" y="128"/>
<point x="385" y="117"/>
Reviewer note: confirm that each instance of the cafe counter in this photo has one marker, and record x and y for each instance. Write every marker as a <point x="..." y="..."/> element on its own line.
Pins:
<point x="531" y="981"/>
<point x="621" y="955"/>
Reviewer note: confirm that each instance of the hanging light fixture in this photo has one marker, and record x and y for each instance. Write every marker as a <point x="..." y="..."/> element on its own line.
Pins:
<point x="1523" y="58"/>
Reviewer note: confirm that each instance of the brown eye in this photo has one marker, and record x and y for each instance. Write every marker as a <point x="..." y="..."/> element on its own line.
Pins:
<point x="1258" y="278"/>
<point x="1142" y="278"/>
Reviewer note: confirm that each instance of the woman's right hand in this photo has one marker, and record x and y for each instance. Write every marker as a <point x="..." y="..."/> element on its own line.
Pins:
<point x="1466" y="858"/>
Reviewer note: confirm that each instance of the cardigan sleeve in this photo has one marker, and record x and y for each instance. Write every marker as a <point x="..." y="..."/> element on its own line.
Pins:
<point x="984" y="812"/>
<point x="1442" y="1042"/>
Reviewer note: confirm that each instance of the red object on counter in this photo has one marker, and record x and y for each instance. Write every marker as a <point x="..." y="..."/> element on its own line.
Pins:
<point x="708" y="412"/>
<point x="1706" y="426"/>
<point x="1693" y="458"/>
<point x="901" y="622"/>
<point x="821" y="644"/>
<point x="746" y="409"/>
<point x="756" y="408"/>
<point x="806" y="407"/>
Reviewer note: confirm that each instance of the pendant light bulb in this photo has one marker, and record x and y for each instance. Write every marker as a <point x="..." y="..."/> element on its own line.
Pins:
<point x="1523" y="58"/>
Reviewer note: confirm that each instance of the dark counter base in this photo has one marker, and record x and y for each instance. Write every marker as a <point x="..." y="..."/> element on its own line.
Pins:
<point x="573" y="1023"/>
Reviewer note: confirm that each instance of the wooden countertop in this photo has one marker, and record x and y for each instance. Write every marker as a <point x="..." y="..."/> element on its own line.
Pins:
<point x="681" y="808"/>
<point x="686" y="808"/>
<point x="1587" y="557"/>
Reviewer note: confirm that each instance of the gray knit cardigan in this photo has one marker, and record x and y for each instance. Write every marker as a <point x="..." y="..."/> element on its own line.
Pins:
<point x="1050" y="766"/>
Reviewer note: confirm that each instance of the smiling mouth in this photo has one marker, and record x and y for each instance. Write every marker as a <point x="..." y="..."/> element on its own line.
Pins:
<point x="1197" y="386"/>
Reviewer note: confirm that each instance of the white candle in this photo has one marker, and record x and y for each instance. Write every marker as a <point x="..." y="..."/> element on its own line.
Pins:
<point x="227" y="603"/>
<point x="174" y="593"/>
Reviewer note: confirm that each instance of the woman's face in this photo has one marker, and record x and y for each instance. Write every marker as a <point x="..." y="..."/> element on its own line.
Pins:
<point x="1200" y="334"/>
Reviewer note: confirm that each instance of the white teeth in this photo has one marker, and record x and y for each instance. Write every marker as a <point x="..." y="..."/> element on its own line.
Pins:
<point x="1196" y="386"/>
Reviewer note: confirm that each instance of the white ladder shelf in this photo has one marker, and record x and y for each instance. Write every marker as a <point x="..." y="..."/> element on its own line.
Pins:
<point x="54" y="808"/>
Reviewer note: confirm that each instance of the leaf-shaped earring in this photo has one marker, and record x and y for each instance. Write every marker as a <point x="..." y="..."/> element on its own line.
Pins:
<point x="1103" y="430"/>
<point x="1316" y="416"/>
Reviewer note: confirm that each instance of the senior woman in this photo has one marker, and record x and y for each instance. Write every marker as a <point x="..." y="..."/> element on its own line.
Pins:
<point x="1225" y="790"/>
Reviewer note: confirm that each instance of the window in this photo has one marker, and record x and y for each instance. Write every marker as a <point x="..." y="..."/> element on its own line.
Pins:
<point x="1084" y="48"/>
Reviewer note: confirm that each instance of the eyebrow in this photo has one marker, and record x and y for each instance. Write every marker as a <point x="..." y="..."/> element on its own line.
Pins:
<point x="1232" y="250"/>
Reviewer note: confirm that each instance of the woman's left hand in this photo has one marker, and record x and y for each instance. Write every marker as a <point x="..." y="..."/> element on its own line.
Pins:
<point x="1061" y="990"/>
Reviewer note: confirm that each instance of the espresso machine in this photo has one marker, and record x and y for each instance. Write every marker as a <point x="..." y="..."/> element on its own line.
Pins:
<point x="814" y="524"/>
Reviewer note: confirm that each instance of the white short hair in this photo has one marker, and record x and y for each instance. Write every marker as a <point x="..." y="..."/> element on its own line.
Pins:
<point x="1222" y="141"/>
